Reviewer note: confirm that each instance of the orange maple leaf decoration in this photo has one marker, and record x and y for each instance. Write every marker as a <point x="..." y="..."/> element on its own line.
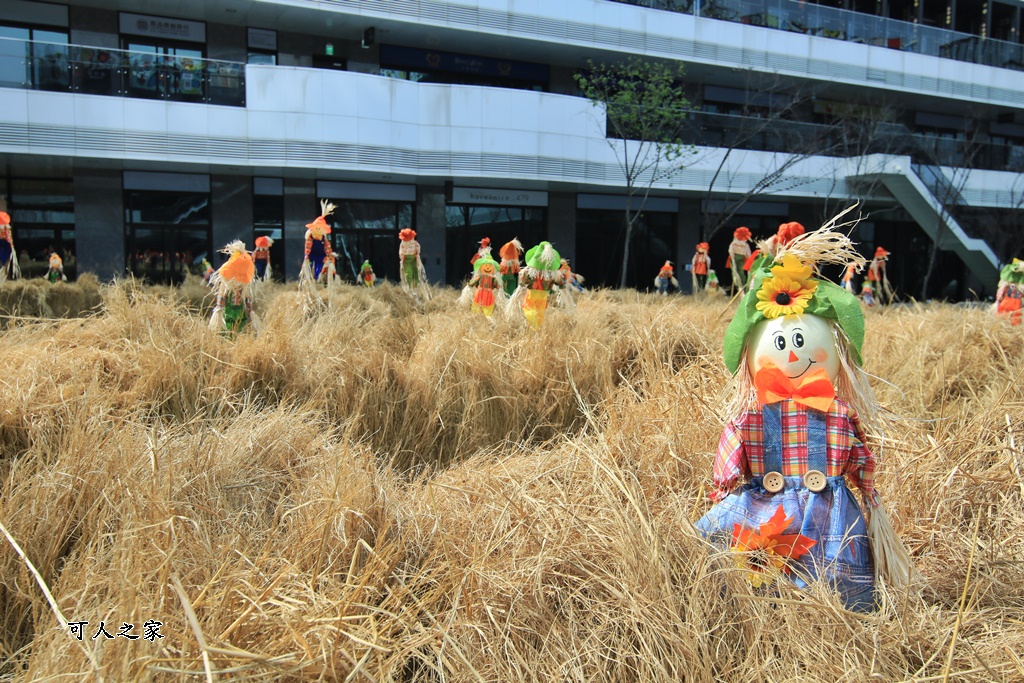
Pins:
<point x="763" y="552"/>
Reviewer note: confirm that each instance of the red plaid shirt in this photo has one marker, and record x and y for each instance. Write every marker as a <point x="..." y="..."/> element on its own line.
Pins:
<point x="741" y="448"/>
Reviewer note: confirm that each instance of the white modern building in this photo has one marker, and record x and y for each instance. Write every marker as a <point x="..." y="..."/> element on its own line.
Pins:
<point x="141" y="135"/>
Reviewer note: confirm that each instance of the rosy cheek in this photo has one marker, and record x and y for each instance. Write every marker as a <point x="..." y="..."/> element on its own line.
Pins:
<point x="765" y="360"/>
<point x="819" y="355"/>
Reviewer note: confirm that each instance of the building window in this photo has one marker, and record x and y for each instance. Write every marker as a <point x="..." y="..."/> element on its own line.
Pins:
<point x="268" y="220"/>
<point x="468" y="224"/>
<point x="262" y="44"/>
<point x="599" y="257"/>
<point x="168" y="234"/>
<point x="34" y="58"/>
<point x="368" y="231"/>
<point x="434" y="66"/>
<point x="43" y="222"/>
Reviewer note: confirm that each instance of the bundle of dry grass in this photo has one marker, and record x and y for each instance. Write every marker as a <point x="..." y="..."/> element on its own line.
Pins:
<point x="388" y="491"/>
<point x="38" y="298"/>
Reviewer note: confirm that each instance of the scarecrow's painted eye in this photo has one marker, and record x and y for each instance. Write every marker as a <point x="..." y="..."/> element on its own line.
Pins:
<point x="798" y="340"/>
<point x="780" y="342"/>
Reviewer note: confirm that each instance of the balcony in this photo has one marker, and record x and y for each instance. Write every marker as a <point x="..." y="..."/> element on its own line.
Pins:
<point x="848" y="138"/>
<point x="57" y="67"/>
<point x="856" y="27"/>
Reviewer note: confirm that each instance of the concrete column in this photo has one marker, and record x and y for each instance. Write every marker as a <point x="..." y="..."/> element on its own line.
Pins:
<point x="301" y="206"/>
<point x="231" y="210"/>
<point x="562" y="224"/>
<point x="431" y="232"/>
<point x="99" y="222"/>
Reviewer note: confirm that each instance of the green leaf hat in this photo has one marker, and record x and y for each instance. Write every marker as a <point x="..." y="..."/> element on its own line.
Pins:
<point x="543" y="257"/>
<point x="485" y="260"/>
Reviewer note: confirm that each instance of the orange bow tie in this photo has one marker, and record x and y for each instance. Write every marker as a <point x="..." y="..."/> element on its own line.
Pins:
<point x="813" y="390"/>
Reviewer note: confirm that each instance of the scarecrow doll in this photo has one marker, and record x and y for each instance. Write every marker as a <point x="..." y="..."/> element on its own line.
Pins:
<point x="848" y="277"/>
<point x="535" y="283"/>
<point x="56" y="270"/>
<point x="739" y="251"/>
<point x="208" y="272"/>
<point x="366" y="275"/>
<point x="794" y="435"/>
<point x="713" y="288"/>
<point x="767" y="249"/>
<point x="486" y="286"/>
<point x="1010" y="291"/>
<point x="410" y="264"/>
<point x="699" y="267"/>
<point x="9" y="269"/>
<point x="665" y="277"/>
<point x="484" y="250"/>
<point x="569" y="278"/>
<point x="877" y="277"/>
<point x="233" y="283"/>
<point x="318" y="247"/>
<point x="510" y="265"/>
<point x="261" y="257"/>
<point x="867" y="294"/>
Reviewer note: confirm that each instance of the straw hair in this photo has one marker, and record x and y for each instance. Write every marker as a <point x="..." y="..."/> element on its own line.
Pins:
<point x="326" y="208"/>
<point x="826" y="245"/>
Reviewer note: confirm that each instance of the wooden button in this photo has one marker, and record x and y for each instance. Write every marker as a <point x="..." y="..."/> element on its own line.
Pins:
<point x="815" y="480"/>
<point x="773" y="482"/>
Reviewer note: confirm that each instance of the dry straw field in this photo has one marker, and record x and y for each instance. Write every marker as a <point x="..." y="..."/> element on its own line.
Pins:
<point x="393" y="492"/>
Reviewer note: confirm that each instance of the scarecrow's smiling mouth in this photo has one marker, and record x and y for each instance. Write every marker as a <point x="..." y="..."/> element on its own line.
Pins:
<point x="809" y="364"/>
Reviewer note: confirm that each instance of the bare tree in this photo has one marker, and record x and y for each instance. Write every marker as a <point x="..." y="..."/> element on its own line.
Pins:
<point x="767" y="114"/>
<point x="644" y="108"/>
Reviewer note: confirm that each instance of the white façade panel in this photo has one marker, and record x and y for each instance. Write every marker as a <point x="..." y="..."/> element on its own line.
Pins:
<point x="145" y="115"/>
<point x="466" y="108"/>
<point x="496" y="108"/>
<point x="372" y="93"/>
<point x="227" y="122"/>
<point x="405" y="136"/>
<point x="50" y="109"/>
<point x="435" y="138"/>
<point x="96" y="111"/>
<point x="435" y="106"/>
<point x="341" y="129"/>
<point x="267" y="125"/>
<point x="466" y="139"/>
<point x="306" y="127"/>
<point x="341" y="99"/>
<point x="374" y="132"/>
<point x="405" y="101"/>
<point x="187" y="119"/>
<point x="15" y="105"/>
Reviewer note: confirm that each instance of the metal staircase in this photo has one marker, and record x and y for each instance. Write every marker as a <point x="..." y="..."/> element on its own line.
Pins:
<point x="929" y="197"/>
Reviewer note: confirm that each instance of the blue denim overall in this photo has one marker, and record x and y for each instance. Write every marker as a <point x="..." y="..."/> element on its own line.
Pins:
<point x="832" y="517"/>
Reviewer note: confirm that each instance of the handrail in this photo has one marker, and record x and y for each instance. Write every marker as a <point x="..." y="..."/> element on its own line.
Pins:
<point x="848" y="25"/>
<point x="66" y="67"/>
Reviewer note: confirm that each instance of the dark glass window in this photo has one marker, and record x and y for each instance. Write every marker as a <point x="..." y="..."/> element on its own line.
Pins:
<point x="43" y="222"/>
<point x="268" y="221"/>
<point x="165" y="70"/>
<point x="467" y="225"/>
<point x="168" y="234"/>
<point x="599" y="256"/>
<point x="34" y="58"/>
<point x="368" y="230"/>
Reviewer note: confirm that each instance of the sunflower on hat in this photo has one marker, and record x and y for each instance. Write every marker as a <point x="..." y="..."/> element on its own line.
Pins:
<point x="787" y="291"/>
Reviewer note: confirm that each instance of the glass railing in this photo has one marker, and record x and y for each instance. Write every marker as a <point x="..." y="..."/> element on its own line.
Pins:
<point x="847" y="138"/>
<point x="839" y="24"/>
<point x="35" y="65"/>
